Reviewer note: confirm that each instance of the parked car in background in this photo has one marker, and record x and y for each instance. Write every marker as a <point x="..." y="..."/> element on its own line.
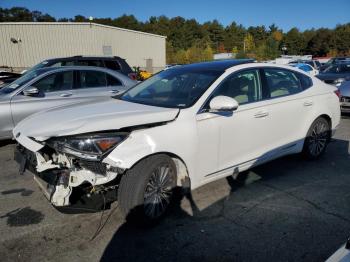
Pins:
<point x="306" y="68"/>
<point x="114" y="63"/>
<point x="314" y="63"/>
<point x="344" y="90"/>
<point x="334" y="61"/>
<point x="44" y="88"/>
<point x="8" y="77"/>
<point x="336" y="74"/>
<point x="182" y="128"/>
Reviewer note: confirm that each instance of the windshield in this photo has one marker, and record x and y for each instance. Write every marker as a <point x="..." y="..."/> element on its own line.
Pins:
<point x="329" y="62"/>
<point x="340" y="68"/>
<point x="175" y="88"/>
<point x="19" y="82"/>
<point x="37" y="66"/>
<point x="332" y="69"/>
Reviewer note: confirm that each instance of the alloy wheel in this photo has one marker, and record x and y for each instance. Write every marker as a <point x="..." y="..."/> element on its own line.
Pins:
<point x="318" y="138"/>
<point x="158" y="191"/>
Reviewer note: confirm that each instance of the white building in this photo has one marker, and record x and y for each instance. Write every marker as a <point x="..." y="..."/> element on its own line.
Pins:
<point x="25" y="44"/>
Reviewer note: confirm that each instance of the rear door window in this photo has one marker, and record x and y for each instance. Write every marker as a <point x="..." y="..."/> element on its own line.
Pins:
<point x="97" y="63"/>
<point x="113" y="65"/>
<point x="92" y="79"/>
<point x="282" y="82"/>
<point x="63" y="63"/>
<point x="113" y="81"/>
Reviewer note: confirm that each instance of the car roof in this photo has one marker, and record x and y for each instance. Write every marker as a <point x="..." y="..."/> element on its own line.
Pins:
<point x="79" y="57"/>
<point x="121" y="76"/>
<point x="220" y="65"/>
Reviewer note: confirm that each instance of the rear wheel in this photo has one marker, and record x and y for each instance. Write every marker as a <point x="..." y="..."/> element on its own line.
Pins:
<point x="317" y="138"/>
<point x="146" y="190"/>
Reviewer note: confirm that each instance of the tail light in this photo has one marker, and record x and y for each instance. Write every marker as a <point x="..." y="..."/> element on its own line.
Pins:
<point x="132" y="76"/>
<point x="337" y="92"/>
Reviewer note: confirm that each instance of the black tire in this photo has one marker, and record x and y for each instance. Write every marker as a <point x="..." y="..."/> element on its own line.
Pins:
<point x="139" y="194"/>
<point x="317" y="139"/>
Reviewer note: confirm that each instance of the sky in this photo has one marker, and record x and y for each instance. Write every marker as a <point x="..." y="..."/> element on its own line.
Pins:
<point x="303" y="14"/>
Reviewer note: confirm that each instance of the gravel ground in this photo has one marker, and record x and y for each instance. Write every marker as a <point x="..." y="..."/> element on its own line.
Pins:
<point x="286" y="210"/>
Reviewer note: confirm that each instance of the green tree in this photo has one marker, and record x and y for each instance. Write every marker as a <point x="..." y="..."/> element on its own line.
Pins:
<point x="294" y="41"/>
<point x="207" y="54"/>
<point x="342" y="39"/>
<point x="249" y="44"/>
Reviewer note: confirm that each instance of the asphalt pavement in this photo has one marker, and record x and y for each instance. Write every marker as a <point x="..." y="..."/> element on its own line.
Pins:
<point x="286" y="210"/>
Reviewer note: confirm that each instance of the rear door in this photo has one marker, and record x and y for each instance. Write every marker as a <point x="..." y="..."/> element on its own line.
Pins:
<point x="94" y="84"/>
<point x="55" y="89"/>
<point x="289" y="108"/>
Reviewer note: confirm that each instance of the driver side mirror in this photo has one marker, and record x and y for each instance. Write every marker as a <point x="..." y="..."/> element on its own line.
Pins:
<point x="31" y="91"/>
<point x="223" y="104"/>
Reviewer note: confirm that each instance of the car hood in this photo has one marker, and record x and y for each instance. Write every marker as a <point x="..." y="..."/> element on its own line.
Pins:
<point x="102" y="115"/>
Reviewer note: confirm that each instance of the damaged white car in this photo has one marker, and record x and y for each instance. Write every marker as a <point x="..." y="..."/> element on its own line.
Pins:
<point x="182" y="128"/>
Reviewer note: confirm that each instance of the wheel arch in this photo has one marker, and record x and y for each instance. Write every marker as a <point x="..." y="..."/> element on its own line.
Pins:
<point x="183" y="177"/>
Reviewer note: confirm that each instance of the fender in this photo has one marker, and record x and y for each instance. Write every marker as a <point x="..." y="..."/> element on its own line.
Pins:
<point x="143" y="143"/>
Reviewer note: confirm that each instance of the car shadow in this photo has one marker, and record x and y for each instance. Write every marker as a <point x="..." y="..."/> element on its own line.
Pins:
<point x="289" y="209"/>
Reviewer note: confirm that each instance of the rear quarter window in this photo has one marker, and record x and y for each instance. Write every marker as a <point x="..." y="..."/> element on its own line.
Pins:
<point x="305" y="81"/>
<point x="113" y="65"/>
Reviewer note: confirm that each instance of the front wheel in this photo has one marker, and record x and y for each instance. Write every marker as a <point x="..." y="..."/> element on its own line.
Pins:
<point x="146" y="190"/>
<point x="317" y="138"/>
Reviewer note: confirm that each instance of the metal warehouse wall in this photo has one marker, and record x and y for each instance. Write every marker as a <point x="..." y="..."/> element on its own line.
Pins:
<point x="39" y="41"/>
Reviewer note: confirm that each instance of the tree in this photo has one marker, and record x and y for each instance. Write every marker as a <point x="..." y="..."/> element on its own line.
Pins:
<point x="215" y="31"/>
<point x="321" y="43"/>
<point x="234" y="36"/>
<point x="181" y="57"/>
<point x="221" y="48"/>
<point x="127" y="21"/>
<point x="259" y="34"/>
<point x="249" y="44"/>
<point x="170" y="53"/>
<point x="342" y="39"/>
<point x="294" y="41"/>
<point x="208" y="54"/>
<point x="277" y="36"/>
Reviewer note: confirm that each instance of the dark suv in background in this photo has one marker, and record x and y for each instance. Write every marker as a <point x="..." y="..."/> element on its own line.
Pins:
<point x="114" y="63"/>
<point x="334" y="61"/>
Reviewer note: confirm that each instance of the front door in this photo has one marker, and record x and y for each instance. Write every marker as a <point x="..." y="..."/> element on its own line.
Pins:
<point x="54" y="90"/>
<point x="238" y="137"/>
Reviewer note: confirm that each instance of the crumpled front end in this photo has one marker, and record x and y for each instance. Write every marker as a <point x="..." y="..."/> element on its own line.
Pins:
<point x="70" y="182"/>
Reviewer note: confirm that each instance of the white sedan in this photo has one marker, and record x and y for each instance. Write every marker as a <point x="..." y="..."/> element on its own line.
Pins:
<point x="182" y="128"/>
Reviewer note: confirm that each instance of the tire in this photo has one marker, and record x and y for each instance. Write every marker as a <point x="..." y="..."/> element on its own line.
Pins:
<point x="146" y="190"/>
<point x="317" y="139"/>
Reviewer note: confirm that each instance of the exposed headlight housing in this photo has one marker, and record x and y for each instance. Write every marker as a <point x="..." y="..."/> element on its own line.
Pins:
<point x="90" y="146"/>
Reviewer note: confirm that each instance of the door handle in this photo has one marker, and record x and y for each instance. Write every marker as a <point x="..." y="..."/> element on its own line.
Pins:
<point x="308" y="103"/>
<point x="66" y="95"/>
<point x="261" y="114"/>
<point x="114" y="91"/>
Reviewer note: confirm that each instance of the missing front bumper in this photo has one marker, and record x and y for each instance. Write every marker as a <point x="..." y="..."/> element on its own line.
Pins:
<point x="56" y="187"/>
